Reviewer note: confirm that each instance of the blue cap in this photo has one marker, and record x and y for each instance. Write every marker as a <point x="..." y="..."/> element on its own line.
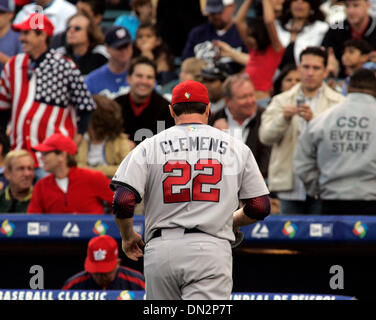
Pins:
<point x="217" y="6"/>
<point x="117" y="36"/>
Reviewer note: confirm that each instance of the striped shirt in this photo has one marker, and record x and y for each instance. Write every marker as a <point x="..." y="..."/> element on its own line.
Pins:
<point x="45" y="96"/>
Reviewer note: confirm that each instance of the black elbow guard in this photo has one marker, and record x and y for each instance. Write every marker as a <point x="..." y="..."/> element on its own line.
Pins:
<point x="124" y="203"/>
<point x="257" y="208"/>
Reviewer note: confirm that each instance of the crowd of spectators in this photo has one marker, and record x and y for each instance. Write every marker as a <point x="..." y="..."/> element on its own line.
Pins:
<point x="77" y="94"/>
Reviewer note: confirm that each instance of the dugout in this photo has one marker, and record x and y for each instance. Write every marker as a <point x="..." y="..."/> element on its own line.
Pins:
<point x="270" y="260"/>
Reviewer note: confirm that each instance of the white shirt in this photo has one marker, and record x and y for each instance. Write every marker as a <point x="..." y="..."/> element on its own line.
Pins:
<point x="311" y="35"/>
<point x="62" y="184"/>
<point x="58" y="11"/>
<point x="239" y="131"/>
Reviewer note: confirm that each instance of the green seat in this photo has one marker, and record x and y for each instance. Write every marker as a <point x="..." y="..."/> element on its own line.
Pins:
<point x="110" y="16"/>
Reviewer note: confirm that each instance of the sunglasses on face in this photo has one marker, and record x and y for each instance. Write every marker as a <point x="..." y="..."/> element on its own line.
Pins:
<point x="75" y="28"/>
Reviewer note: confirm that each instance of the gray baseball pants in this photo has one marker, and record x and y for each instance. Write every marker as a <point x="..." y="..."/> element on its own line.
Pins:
<point x="188" y="266"/>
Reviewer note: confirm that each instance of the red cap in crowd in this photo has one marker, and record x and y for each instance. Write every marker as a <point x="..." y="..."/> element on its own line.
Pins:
<point x="102" y="254"/>
<point x="35" y="21"/>
<point x="57" y="141"/>
<point x="190" y="91"/>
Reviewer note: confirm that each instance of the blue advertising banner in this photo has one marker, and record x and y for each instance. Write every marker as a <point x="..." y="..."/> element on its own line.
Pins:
<point x="61" y="227"/>
<point x="281" y="228"/>
<point x="313" y="229"/>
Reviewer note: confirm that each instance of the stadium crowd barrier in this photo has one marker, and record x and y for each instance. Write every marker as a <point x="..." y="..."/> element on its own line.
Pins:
<point x="286" y="228"/>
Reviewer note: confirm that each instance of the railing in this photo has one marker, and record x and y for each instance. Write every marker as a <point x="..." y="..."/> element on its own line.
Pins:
<point x="286" y="229"/>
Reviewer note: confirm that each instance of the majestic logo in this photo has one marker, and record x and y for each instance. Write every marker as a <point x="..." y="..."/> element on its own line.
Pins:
<point x="100" y="228"/>
<point x="187" y="95"/>
<point x="289" y="229"/>
<point x="99" y="255"/>
<point x="260" y="231"/>
<point x="71" y="230"/>
<point x="360" y="229"/>
<point x="126" y="295"/>
<point x="7" y="228"/>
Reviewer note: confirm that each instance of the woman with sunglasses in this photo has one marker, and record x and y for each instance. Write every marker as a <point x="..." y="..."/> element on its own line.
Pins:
<point x="84" y="43"/>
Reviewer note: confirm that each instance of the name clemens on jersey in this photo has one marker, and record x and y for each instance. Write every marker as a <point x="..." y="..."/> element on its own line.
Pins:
<point x="194" y="144"/>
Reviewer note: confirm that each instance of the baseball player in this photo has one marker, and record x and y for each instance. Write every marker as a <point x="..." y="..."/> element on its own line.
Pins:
<point x="191" y="177"/>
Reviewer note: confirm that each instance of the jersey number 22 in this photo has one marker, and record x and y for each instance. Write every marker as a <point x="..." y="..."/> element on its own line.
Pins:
<point x="184" y="195"/>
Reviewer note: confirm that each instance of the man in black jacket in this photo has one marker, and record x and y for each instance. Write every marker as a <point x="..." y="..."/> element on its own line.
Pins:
<point x="242" y="117"/>
<point x="358" y="25"/>
<point x="145" y="112"/>
<point x="103" y="270"/>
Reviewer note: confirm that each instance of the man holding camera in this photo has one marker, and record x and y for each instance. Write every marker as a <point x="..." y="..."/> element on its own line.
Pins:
<point x="285" y="119"/>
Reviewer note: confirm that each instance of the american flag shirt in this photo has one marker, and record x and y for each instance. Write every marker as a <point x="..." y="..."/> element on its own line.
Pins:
<point x="44" y="97"/>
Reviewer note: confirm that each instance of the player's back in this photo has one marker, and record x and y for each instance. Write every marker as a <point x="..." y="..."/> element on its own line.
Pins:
<point x="191" y="176"/>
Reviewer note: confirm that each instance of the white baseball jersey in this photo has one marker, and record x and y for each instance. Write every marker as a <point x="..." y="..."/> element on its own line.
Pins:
<point x="191" y="176"/>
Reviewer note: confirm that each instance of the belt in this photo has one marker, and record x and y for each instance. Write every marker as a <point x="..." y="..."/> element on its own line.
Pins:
<point x="158" y="233"/>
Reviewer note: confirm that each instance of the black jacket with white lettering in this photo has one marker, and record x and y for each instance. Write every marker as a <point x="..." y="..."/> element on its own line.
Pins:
<point x="126" y="279"/>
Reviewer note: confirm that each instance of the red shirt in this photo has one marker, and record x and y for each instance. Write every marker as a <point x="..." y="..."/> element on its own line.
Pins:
<point x="87" y="189"/>
<point x="139" y="108"/>
<point x="262" y="66"/>
<point x="359" y="34"/>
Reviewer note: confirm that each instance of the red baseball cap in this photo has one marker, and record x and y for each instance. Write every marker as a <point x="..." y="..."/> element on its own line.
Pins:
<point x="102" y="254"/>
<point x="57" y="141"/>
<point x="35" y="21"/>
<point x="190" y="91"/>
